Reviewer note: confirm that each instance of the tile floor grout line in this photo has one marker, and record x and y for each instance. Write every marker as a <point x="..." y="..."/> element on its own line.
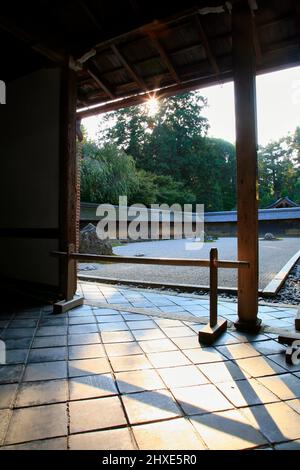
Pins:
<point x="128" y="425"/>
<point x="19" y="383"/>
<point x="177" y="316"/>
<point x="185" y="294"/>
<point x="143" y="311"/>
<point x="134" y="425"/>
<point x="185" y="416"/>
<point x="68" y="387"/>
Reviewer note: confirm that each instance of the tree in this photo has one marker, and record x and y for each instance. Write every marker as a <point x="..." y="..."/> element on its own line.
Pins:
<point x="159" y="143"/>
<point x="173" y="145"/>
<point x="213" y="177"/>
<point x="106" y="173"/>
<point x="161" y="189"/>
<point x="171" y="159"/>
<point x="279" y="169"/>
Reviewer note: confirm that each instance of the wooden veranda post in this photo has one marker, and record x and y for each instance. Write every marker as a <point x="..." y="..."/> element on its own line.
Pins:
<point x="68" y="187"/>
<point x="213" y="284"/>
<point x="215" y="327"/>
<point x="246" y="153"/>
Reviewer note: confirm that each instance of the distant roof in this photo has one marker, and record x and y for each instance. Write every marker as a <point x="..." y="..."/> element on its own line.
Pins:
<point x="263" y="214"/>
<point x="88" y="212"/>
<point x="283" y="202"/>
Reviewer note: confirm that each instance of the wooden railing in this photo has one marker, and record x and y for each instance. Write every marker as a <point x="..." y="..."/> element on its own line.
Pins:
<point x="214" y="328"/>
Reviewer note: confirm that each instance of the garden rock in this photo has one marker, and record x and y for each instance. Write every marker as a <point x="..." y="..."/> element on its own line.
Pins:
<point x="90" y="243"/>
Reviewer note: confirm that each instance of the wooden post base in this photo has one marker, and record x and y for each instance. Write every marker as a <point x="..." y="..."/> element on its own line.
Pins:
<point x="208" y="334"/>
<point x="65" y="305"/>
<point x="288" y="338"/>
<point x="251" y="327"/>
<point x="293" y="347"/>
<point x="290" y="354"/>
<point x="297" y="321"/>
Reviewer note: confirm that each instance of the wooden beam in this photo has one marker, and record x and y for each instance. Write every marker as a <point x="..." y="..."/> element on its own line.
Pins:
<point x="206" y="46"/>
<point x="90" y="15"/>
<point x="194" y="46"/>
<point x="32" y="42"/>
<point x="126" y="94"/>
<point x="244" y="71"/>
<point x="173" y="28"/>
<point x="163" y="93"/>
<point x="257" y="47"/>
<point x="189" y="75"/>
<point x="167" y="22"/>
<point x="165" y="57"/>
<point x="135" y="8"/>
<point x="227" y="36"/>
<point x="297" y="18"/>
<point x="68" y="181"/>
<point x="94" y="75"/>
<point x="139" y="81"/>
<point x="22" y="232"/>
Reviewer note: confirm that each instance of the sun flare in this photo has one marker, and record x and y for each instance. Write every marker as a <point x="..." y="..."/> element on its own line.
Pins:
<point x="152" y="106"/>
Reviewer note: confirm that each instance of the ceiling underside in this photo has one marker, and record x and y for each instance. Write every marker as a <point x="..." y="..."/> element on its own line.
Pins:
<point x="130" y="48"/>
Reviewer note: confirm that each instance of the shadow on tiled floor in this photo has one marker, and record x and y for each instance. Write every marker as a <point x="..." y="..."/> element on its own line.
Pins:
<point x="105" y="378"/>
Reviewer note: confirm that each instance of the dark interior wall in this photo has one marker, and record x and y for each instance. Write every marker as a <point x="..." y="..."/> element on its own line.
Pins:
<point x="29" y="178"/>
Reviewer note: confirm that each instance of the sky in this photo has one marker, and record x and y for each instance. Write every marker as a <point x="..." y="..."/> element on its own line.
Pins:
<point x="278" y="107"/>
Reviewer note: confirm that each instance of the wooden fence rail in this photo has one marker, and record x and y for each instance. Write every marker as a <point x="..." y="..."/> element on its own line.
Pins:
<point x="215" y="327"/>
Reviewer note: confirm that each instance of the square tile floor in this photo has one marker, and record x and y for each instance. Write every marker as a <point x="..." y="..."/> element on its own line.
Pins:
<point x="130" y="374"/>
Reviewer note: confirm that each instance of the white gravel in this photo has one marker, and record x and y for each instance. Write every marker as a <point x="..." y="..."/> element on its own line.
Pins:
<point x="272" y="254"/>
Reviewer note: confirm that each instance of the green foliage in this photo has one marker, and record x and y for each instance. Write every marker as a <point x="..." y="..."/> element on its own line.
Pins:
<point x="279" y="169"/>
<point x="168" y="158"/>
<point x="213" y="179"/>
<point x="146" y="190"/>
<point x="172" y="191"/>
<point x="177" y="163"/>
<point x="162" y="143"/>
<point x="160" y="189"/>
<point x="106" y="173"/>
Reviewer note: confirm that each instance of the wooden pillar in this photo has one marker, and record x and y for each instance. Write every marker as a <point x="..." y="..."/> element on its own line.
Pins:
<point x="246" y="153"/>
<point x="78" y="162"/>
<point x="68" y="181"/>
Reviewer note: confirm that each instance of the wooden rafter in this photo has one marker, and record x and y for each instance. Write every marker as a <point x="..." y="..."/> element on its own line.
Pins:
<point x="135" y="7"/>
<point x="133" y="100"/>
<point x="206" y="45"/>
<point x="90" y="14"/>
<point x="187" y="75"/>
<point x="192" y="47"/>
<point x="164" y="56"/>
<point x="138" y="80"/>
<point x="297" y="19"/>
<point x="258" y="52"/>
<point x="32" y="42"/>
<point x="95" y="76"/>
